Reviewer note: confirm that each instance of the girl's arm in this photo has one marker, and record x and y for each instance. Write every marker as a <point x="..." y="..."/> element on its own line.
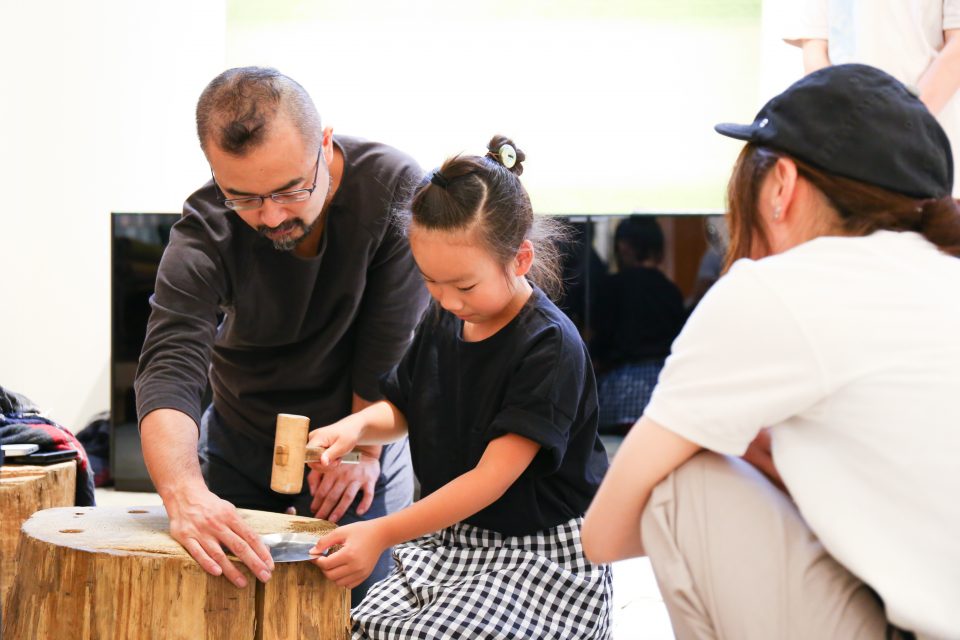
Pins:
<point x="611" y="529"/>
<point x="379" y="423"/>
<point x="504" y="459"/>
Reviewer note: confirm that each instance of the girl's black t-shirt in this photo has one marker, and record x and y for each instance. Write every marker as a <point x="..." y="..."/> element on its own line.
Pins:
<point x="532" y="378"/>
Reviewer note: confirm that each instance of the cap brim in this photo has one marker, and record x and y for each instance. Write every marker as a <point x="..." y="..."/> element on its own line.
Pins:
<point x="738" y="131"/>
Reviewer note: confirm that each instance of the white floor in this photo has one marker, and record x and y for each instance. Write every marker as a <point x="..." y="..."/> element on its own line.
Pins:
<point x="109" y="497"/>
<point x="638" y="611"/>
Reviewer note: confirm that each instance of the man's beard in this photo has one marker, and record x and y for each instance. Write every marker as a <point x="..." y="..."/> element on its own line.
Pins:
<point x="287" y="242"/>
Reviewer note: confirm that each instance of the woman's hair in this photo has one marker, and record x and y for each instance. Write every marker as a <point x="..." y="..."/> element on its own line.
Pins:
<point x="862" y="208"/>
<point x="483" y="195"/>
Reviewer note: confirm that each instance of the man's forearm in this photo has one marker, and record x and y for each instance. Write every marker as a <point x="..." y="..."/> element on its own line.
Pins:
<point x="169" y="439"/>
<point x="204" y="524"/>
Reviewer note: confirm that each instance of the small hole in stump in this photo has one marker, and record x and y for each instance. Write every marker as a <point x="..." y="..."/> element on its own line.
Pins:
<point x="71" y="530"/>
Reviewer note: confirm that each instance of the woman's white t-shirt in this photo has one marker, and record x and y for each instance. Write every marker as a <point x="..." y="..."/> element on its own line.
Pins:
<point x="849" y="348"/>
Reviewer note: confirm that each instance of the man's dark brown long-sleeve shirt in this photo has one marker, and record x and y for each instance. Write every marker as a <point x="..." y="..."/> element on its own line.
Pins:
<point x="297" y="335"/>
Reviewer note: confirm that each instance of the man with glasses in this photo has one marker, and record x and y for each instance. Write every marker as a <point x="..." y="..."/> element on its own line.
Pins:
<point x="286" y="283"/>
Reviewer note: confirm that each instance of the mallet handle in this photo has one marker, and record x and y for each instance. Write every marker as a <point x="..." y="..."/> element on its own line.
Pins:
<point x="314" y="453"/>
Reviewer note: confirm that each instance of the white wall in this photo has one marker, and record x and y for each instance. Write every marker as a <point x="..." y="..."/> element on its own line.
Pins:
<point x="96" y="110"/>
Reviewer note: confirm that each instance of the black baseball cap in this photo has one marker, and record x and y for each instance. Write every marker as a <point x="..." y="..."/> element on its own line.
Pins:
<point x="858" y="122"/>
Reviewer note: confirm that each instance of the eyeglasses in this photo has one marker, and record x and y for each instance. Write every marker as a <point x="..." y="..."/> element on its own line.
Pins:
<point x="281" y="197"/>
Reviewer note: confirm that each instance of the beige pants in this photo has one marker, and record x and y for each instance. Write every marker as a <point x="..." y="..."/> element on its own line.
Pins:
<point x="735" y="561"/>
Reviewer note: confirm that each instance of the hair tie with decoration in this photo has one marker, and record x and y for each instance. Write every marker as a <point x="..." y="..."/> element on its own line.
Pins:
<point x="507" y="155"/>
<point x="440" y="180"/>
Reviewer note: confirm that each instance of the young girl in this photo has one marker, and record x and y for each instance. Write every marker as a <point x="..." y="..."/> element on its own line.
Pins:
<point x="498" y="398"/>
<point x="836" y="327"/>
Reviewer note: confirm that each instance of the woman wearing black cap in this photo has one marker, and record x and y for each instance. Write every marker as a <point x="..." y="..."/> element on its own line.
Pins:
<point x="837" y="325"/>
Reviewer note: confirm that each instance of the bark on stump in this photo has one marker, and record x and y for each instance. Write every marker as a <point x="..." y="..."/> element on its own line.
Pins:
<point x="24" y="490"/>
<point x="115" y="572"/>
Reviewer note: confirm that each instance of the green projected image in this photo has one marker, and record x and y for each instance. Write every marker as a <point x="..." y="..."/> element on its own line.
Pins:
<point x="613" y="102"/>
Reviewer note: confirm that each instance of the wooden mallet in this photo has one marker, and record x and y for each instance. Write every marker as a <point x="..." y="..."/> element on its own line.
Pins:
<point x="290" y="453"/>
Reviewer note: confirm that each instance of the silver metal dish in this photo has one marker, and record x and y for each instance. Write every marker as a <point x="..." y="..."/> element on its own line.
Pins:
<point x="290" y="547"/>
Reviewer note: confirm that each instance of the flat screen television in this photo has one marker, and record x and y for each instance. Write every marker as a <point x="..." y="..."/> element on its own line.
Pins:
<point x="137" y="242"/>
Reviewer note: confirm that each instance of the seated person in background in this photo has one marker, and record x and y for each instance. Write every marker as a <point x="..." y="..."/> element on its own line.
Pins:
<point x="583" y="271"/>
<point x="711" y="262"/>
<point x="835" y="326"/>
<point x="639" y="312"/>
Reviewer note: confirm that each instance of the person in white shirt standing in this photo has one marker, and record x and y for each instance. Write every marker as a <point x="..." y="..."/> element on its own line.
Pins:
<point x="835" y="334"/>
<point x="915" y="41"/>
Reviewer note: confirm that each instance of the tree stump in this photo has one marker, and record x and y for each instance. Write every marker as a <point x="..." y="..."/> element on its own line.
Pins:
<point x="24" y="490"/>
<point x="115" y="572"/>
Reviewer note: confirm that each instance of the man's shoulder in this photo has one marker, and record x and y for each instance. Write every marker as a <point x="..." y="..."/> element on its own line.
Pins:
<point x="358" y="150"/>
<point x="369" y="163"/>
<point x="377" y="180"/>
<point x="206" y="225"/>
<point x="204" y="204"/>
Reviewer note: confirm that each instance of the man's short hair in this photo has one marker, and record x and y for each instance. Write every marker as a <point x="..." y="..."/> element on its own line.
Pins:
<point x="238" y="108"/>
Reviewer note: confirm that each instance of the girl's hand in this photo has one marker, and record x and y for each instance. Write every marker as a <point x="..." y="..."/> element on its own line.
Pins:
<point x="338" y="439"/>
<point x="362" y="543"/>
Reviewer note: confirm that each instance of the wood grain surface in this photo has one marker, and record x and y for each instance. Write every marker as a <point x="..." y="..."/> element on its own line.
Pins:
<point x="115" y="572"/>
<point x="24" y="490"/>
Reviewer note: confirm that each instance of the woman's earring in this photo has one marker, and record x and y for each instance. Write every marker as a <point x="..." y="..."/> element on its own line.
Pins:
<point x="777" y="210"/>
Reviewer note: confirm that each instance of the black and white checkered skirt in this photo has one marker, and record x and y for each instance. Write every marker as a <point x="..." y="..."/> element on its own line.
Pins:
<point x="465" y="582"/>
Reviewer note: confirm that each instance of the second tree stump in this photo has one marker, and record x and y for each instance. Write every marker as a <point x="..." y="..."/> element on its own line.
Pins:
<point x="24" y="490"/>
